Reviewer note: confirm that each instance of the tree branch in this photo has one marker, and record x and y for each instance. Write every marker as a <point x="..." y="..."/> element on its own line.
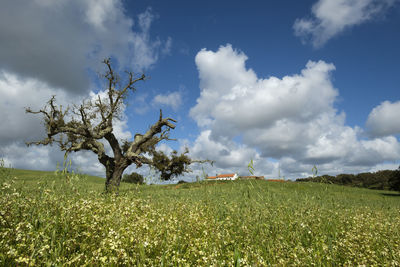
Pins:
<point x="140" y="144"/>
<point x="202" y="161"/>
<point x="112" y="140"/>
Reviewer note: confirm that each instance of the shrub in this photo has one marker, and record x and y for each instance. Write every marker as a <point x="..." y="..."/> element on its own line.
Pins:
<point x="133" y="178"/>
<point x="395" y="180"/>
<point x="381" y="180"/>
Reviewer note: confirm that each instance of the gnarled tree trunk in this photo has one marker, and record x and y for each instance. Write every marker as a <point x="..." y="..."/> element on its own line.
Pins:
<point x="114" y="171"/>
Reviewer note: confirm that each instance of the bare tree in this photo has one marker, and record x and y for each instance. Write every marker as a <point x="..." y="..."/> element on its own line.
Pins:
<point x="83" y="127"/>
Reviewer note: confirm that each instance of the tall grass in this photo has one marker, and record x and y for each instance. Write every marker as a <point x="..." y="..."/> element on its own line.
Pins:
<point x="45" y="219"/>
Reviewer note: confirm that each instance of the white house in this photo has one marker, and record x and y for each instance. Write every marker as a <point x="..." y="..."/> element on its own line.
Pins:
<point x="230" y="176"/>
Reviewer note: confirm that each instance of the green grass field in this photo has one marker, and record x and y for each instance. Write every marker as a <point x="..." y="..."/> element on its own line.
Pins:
<point x="48" y="219"/>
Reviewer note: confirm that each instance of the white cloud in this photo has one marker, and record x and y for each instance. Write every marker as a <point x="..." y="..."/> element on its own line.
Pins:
<point x="173" y="100"/>
<point x="232" y="94"/>
<point x="47" y="158"/>
<point x="19" y="127"/>
<point x="38" y="156"/>
<point x="47" y="48"/>
<point x="234" y="101"/>
<point x="228" y="157"/>
<point x="17" y="94"/>
<point x="87" y="162"/>
<point x="384" y="166"/>
<point x="290" y="119"/>
<point x="384" y="119"/>
<point x="163" y="147"/>
<point x="379" y="150"/>
<point x="57" y="41"/>
<point x="99" y="11"/>
<point x="331" y="17"/>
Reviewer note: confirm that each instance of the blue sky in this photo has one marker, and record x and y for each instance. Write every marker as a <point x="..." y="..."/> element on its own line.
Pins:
<point x="289" y="84"/>
<point x="366" y="56"/>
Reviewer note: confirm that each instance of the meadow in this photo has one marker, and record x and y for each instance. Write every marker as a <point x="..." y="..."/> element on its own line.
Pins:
<point x="66" y="219"/>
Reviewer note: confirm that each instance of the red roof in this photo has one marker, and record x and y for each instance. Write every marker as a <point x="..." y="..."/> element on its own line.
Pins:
<point x="221" y="176"/>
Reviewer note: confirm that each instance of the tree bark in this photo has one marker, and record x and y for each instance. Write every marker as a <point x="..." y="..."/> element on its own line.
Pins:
<point x="113" y="175"/>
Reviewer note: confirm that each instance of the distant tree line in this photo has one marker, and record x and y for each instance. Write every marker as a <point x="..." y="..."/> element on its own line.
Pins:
<point x="381" y="180"/>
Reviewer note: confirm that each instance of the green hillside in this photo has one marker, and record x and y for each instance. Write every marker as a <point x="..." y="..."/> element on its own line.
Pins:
<point x="67" y="220"/>
<point x="31" y="176"/>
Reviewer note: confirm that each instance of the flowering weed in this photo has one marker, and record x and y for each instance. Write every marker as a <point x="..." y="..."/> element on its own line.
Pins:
<point x="48" y="221"/>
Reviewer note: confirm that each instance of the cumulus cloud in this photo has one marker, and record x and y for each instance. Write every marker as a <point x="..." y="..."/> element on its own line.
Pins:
<point x="233" y="100"/>
<point x="19" y="127"/>
<point x="228" y="156"/>
<point x="48" y="48"/>
<point x="331" y="17"/>
<point x="57" y="41"/>
<point x="235" y="95"/>
<point x="290" y="119"/>
<point x="36" y="158"/>
<point x="384" y="119"/>
<point x="173" y="100"/>
<point x="163" y="147"/>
